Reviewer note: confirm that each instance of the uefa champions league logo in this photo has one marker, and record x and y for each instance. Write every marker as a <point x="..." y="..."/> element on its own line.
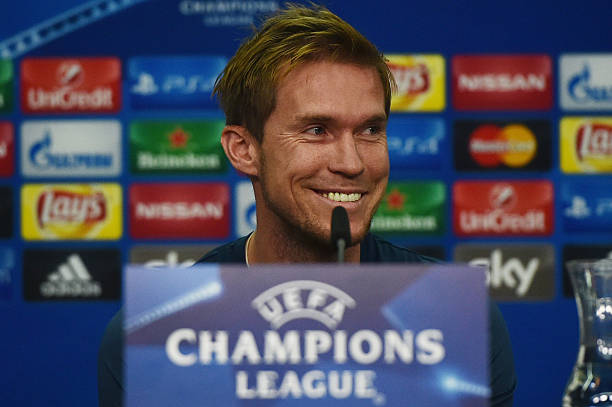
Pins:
<point x="285" y="302"/>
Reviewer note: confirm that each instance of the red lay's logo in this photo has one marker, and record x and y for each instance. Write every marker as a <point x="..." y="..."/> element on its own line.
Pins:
<point x="514" y="145"/>
<point x="70" y="85"/>
<point x="522" y="208"/>
<point x="502" y="82"/>
<point x="410" y="79"/>
<point x="57" y="207"/>
<point x="594" y="141"/>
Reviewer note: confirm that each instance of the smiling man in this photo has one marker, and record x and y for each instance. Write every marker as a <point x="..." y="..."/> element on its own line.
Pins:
<point x="306" y="100"/>
<point x="323" y="145"/>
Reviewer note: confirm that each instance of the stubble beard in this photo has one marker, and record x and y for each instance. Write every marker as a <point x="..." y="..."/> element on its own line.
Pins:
<point x="302" y="233"/>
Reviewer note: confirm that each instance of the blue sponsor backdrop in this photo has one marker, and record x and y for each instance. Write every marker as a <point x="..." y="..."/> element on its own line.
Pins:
<point x="51" y="348"/>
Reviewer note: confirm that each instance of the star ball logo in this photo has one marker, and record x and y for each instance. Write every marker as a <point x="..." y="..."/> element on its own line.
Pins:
<point x="316" y="301"/>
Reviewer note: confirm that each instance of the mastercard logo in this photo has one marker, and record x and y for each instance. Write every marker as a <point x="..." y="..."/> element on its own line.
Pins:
<point x="513" y="145"/>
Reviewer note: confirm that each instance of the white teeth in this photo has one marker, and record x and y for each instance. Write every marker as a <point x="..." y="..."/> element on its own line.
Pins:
<point x="340" y="197"/>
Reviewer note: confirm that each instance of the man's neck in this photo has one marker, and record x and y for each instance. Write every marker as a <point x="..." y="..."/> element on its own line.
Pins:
<point x="268" y="246"/>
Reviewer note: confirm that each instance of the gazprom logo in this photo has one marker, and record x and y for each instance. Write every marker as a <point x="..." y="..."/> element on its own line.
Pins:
<point x="72" y="148"/>
<point x="303" y="299"/>
<point x="42" y="157"/>
<point x="581" y="88"/>
<point x="586" y="81"/>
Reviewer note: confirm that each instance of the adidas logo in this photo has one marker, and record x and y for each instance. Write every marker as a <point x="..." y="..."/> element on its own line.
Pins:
<point x="71" y="279"/>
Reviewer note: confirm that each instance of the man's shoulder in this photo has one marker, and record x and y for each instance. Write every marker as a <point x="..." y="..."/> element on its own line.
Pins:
<point x="375" y="249"/>
<point x="232" y="252"/>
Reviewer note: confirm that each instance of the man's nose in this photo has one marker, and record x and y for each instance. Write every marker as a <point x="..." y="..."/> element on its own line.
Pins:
<point x="346" y="158"/>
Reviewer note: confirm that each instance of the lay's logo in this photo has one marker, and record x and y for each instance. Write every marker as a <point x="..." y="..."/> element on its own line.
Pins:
<point x="420" y="82"/>
<point x="70" y="207"/>
<point x="71" y="211"/>
<point x="586" y="144"/>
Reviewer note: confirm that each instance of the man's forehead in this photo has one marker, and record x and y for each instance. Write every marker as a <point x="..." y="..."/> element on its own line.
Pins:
<point x="312" y="88"/>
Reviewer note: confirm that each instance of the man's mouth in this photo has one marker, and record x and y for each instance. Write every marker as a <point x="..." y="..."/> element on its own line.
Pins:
<point x="341" y="197"/>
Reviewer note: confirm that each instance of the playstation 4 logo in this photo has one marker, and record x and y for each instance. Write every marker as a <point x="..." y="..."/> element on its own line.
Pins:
<point x="180" y="84"/>
<point x="146" y="85"/>
<point x="578" y="208"/>
<point x="173" y="82"/>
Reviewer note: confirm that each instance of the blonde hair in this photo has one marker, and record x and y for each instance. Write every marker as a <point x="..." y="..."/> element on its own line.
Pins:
<point x="296" y="35"/>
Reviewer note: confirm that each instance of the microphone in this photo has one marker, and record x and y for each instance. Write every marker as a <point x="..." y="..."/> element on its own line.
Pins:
<point x="340" y="231"/>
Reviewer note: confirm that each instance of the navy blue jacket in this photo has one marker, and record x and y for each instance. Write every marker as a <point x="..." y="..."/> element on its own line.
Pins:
<point x="373" y="250"/>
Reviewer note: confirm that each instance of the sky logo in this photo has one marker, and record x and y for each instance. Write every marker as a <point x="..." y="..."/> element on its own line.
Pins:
<point x="415" y="143"/>
<point x="173" y="82"/>
<point x="587" y="206"/>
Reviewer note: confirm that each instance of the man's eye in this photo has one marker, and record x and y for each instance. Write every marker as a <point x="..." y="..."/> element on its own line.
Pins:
<point x="317" y="131"/>
<point x="372" y="130"/>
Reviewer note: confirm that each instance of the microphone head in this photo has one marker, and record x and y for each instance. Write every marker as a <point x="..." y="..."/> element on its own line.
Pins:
<point x="340" y="228"/>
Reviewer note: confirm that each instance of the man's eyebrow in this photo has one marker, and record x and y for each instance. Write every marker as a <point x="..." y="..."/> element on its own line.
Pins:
<point x="317" y="118"/>
<point x="312" y="118"/>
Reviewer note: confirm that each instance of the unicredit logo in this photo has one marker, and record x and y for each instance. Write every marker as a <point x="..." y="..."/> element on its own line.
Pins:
<point x="74" y="85"/>
<point x="57" y="206"/>
<point x="518" y="208"/>
<point x="70" y="74"/>
<point x="65" y="99"/>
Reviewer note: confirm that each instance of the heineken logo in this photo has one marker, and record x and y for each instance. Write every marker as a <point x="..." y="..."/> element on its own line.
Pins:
<point x="177" y="147"/>
<point x="178" y="138"/>
<point x="411" y="207"/>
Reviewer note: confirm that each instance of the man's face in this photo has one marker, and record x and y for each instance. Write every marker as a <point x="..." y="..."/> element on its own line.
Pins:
<point x="324" y="145"/>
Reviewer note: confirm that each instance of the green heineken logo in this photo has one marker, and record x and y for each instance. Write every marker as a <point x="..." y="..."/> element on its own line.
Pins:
<point x="6" y="85"/>
<point x="411" y="208"/>
<point x="176" y="147"/>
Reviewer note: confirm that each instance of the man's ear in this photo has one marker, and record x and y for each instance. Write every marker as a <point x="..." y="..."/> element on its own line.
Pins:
<point x="241" y="149"/>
